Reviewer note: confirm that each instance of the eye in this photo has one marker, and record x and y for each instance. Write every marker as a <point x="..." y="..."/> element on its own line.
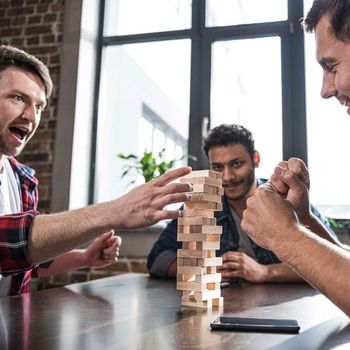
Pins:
<point x="18" y="98"/>
<point x="237" y="164"/>
<point x="216" y="168"/>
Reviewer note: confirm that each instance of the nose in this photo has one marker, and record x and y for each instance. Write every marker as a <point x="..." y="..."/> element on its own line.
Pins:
<point x="31" y="113"/>
<point x="227" y="174"/>
<point x="328" y="89"/>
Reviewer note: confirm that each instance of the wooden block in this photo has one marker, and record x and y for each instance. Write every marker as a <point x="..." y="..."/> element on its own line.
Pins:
<point x="208" y="245"/>
<point x="204" y="188"/>
<point x="204" y="173"/>
<point x="218" y="302"/>
<point x="187" y="253"/>
<point x="206" y="295"/>
<point x="211" y="270"/>
<point x="180" y="261"/>
<point x="190" y="262"/>
<point x="200" y="237"/>
<point x="209" y="262"/>
<point x="215" y="230"/>
<point x="206" y="229"/>
<point x="192" y="286"/>
<point x="207" y="304"/>
<point x="189" y="245"/>
<point x="215" y="277"/>
<point x="195" y="270"/>
<point x="213" y="286"/>
<point x="181" y="277"/>
<point x="203" y="205"/>
<point x="198" y="212"/>
<point x="204" y="197"/>
<point x="202" y="180"/>
<point x="196" y="221"/>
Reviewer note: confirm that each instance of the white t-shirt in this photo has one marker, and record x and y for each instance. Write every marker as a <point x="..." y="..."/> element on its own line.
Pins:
<point x="10" y="203"/>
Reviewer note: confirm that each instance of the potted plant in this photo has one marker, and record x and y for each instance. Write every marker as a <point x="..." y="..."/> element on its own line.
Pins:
<point x="149" y="166"/>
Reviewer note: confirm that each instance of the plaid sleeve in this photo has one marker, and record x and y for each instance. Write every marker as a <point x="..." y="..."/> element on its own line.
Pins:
<point x="14" y="232"/>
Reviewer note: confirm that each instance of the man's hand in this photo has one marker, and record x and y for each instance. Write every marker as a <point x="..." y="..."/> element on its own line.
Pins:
<point x="269" y="219"/>
<point x="291" y="180"/>
<point x="143" y="206"/>
<point x="103" y="251"/>
<point x="240" y="265"/>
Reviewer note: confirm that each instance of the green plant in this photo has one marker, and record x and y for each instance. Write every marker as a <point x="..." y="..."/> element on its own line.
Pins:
<point x="149" y="166"/>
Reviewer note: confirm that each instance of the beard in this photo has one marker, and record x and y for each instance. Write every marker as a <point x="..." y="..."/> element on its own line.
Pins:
<point x="246" y="184"/>
<point x="4" y="150"/>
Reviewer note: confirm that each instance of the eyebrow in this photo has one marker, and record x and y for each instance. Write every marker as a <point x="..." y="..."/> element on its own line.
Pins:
<point x="326" y="61"/>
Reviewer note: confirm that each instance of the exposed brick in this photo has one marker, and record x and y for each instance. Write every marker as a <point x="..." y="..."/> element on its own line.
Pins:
<point x="20" y="11"/>
<point x="57" y="7"/>
<point x="50" y="17"/>
<point x="4" y="3"/>
<point x="34" y="40"/>
<point x="35" y="19"/>
<point x="50" y="38"/>
<point x="16" y="2"/>
<point x="41" y="29"/>
<point x="42" y="8"/>
<point x="11" y="32"/>
<point x="5" y="22"/>
<point x="18" y="21"/>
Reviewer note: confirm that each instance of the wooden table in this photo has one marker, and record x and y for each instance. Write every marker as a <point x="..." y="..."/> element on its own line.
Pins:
<point x="132" y="311"/>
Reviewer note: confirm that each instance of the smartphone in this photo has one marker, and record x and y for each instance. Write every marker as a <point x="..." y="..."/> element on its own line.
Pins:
<point x="268" y="325"/>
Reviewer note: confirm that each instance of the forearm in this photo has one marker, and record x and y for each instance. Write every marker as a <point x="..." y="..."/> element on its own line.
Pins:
<point x="315" y="226"/>
<point x="53" y="235"/>
<point x="281" y="273"/>
<point x="71" y="261"/>
<point x="322" y="264"/>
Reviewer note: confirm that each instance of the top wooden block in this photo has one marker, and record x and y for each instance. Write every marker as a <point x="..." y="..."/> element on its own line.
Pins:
<point x="204" y="173"/>
<point x="208" y="177"/>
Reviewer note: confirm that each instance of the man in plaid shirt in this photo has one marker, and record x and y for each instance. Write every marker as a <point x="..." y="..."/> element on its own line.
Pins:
<point x="28" y="241"/>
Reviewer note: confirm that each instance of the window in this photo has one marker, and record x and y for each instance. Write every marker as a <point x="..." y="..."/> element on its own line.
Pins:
<point x="170" y="69"/>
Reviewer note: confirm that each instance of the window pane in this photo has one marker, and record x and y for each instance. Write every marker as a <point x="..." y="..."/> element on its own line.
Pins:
<point x="144" y="99"/>
<point x="328" y="141"/>
<point x="246" y="90"/>
<point x="232" y="12"/>
<point x="139" y="16"/>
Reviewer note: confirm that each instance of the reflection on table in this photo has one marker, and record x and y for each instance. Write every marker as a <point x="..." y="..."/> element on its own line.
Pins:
<point x="132" y="311"/>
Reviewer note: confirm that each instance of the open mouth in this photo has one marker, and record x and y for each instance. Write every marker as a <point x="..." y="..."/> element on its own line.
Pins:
<point x="19" y="133"/>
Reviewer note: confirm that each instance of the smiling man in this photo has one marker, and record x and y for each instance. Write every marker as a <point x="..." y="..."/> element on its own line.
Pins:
<point x="286" y="200"/>
<point x="29" y="240"/>
<point x="231" y="151"/>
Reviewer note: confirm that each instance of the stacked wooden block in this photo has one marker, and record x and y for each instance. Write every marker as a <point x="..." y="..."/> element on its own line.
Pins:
<point x="200" y="237"/>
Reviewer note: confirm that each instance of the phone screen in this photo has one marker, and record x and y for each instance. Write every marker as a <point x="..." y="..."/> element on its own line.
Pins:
<point x="255" y="324"/>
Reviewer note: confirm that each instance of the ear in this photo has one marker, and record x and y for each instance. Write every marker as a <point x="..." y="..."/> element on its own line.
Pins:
<point x="256" y="159"/>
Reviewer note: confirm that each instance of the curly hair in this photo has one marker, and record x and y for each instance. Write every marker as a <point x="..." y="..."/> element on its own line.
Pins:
<point x="226" y="134"/>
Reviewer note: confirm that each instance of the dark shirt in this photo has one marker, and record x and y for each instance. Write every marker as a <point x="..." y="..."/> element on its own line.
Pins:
<point x="164" y="250"/>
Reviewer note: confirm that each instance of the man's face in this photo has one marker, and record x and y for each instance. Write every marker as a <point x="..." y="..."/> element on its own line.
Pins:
<point x="334" y="57"/>
<point x="22" y="99"/>
<point x="237" y="168"/>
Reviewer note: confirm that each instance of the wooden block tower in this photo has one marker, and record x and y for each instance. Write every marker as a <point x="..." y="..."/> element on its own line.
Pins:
<point x="200" y="237"/>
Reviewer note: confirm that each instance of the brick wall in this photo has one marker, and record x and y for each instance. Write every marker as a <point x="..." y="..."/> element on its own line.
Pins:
<point x="37" y="26"/>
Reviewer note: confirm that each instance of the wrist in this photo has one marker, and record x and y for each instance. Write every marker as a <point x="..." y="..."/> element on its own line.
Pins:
<point x="285" y="247"/>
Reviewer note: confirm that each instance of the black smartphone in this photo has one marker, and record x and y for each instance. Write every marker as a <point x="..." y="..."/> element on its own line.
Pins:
<point x="269" y="325"/>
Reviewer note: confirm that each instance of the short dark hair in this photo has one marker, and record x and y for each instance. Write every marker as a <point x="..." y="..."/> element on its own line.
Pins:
<point x="226" y="134"/>
<point x="339" y="15"/>
<point x="12" y="56"/>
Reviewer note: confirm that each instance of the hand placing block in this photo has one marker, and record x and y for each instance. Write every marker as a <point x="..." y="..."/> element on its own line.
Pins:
<point x="200" y="236"/>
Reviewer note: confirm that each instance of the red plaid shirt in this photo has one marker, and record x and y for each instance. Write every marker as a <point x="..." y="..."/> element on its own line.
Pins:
<point x="14" y="231"/>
